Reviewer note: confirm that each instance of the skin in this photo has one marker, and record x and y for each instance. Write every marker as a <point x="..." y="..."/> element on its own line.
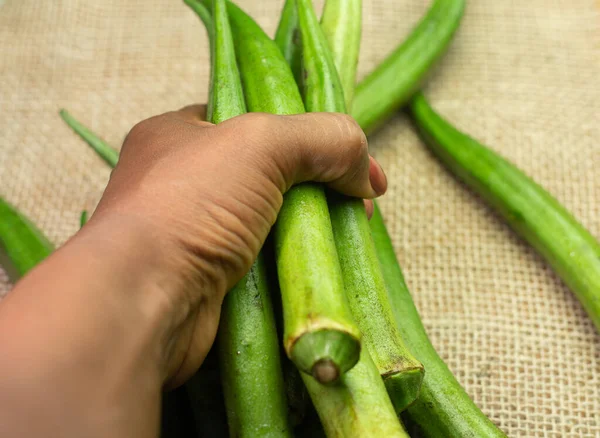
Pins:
<point x="131" y="303"/>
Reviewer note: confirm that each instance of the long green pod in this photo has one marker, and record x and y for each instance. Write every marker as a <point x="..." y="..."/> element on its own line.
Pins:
<point x="341" y="23"/>
<point x="20" y="241"/>
<point x="226" y="96"/>
<point x="248" y="347"/>
<point x="106" y="152"/>
<point x="363" y="279"/>
<point x="320" y="335"/>
<point x="287" y="37"/>
<point x="321" y="86"/>
<point x="358" y="405"/>
<point x="251" y="371"/>
<point x="443" y="408"/>
<point x="531" y="211"/>
<point x="400" y="75"/>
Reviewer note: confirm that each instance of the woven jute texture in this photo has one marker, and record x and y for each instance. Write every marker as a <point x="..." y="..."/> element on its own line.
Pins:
<point x="521" y="76"/>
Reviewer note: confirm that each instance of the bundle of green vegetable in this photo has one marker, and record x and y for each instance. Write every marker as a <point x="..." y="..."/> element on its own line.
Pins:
<point x="349" y="323"/>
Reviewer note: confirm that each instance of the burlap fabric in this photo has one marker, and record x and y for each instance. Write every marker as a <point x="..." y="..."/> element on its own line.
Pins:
<point x="520" y="76"/>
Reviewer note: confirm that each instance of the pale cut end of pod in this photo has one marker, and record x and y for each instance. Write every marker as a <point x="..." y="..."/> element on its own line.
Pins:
<point x="404" y="387"/>
<point x="325" y="371"/>
<point x="325" y="354"/>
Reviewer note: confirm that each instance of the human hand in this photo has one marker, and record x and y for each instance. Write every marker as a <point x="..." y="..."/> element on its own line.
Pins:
<point x="210" y="194"/>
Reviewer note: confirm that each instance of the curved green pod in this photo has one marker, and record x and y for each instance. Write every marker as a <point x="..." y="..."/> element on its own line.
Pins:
<point x="21" y="241"/>
<point x="226" y="96"/>
<point x="341" y="23"/>
<point x="106" y="152"/>
<point x="357" y="406"/>
<point x="443" y="408"/>
<point x="287" y="37"/>
<point x="400" y="75"/>
<point x="321" y="86"/>
<point x="248" y="347"/>
<point x="531" y="211"/>
<point x="363" y="279"/>
<point x="402" y="373"/>
<point x="320" y="335"/>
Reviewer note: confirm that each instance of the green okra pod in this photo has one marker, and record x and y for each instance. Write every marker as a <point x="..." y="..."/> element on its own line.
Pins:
<point x="320" y="335"/>
<point x="531" y="211"/>
<point x="287" y="37"/>
<point x="358" y="405"/>
<point x="226" y="97"/>
<point x="443" y="408"/>
<point x="341" y="23"/>
<point x="251" y="371"/>
<point x="363" y="279"/>
<point x="106" y="152"/>
<point x="248" y="347"/>
<point x="401" y="74"/>
<point x="20" y="241"/>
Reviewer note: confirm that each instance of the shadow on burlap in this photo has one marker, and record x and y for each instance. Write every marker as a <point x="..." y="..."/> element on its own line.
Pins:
<point x="521" y="76"/>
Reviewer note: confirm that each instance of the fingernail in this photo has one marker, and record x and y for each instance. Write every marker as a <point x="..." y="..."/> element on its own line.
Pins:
<point x="369" y="208"/>
<point x="377" y="177"/>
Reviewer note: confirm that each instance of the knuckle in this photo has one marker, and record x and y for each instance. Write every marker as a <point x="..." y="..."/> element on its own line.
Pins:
<point x="355" y="146"/>
<point x="143" y="129"/>
<point x="349" y="126"/>
<point x="256" y="123"/>
<point x="356" y="152"/>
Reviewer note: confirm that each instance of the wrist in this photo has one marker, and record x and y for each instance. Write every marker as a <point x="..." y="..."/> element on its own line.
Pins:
<point x="97" y="316"/>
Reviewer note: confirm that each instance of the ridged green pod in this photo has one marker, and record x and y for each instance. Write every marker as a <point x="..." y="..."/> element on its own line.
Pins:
<point x="251" y="371"/>
<point x="363" y="279"/>
<point x="248" y="347"/>
<point x="226" y="97"/>
<point x="287" y="37"/>
<point x="531" y="211"/>
<point x="20" y="241"/>
<point x="401" y="74"/>
<point x="341" y="23"/>
<point x="319" y="333"/>
<point x="357" y="406"/>
<point x="443" y="408"/>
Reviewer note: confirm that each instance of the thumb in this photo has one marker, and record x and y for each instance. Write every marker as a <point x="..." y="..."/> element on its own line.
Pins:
<point x="324" y="147"/>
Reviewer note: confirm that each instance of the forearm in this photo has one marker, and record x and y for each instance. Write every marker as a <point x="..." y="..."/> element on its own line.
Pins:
<point x="84" y="337"/>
